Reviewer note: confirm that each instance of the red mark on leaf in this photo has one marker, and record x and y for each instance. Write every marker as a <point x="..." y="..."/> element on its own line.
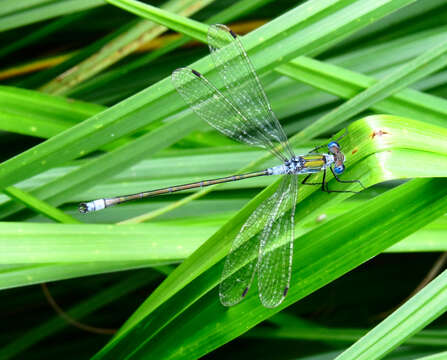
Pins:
<point x="378" y="133"/>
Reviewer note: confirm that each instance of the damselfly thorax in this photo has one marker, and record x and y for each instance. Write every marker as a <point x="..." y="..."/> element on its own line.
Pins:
<point x="304" y="164"/>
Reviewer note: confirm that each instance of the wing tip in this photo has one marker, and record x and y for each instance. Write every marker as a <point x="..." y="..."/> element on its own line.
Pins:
<point x="271" y="303"/>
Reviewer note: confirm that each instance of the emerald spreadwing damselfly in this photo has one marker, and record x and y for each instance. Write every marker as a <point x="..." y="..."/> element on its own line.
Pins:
<point x="242" y="112"/>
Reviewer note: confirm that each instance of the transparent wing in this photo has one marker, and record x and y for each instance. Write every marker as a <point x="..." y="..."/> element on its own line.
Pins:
<point x="276" y="248"/>
<point x="244" y="88"/>
<point x="217" y="110"/>
<point x="241" y="261"/>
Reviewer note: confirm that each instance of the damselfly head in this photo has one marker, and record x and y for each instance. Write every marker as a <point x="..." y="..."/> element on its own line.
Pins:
<point x="333" y="147"/>
<point x="339" y="158"/>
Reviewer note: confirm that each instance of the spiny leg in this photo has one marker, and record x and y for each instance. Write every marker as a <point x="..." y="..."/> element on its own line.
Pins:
<point x="322" y="183"/>
<point x="304" y="182"/>
<point x="313" y="151"/>
<point x="346" y="181"/>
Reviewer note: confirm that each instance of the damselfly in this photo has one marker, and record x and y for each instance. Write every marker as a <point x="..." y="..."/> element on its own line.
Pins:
<point x="242" y="112"/>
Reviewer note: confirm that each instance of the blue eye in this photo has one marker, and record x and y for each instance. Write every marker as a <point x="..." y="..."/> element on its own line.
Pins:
<point x="339" y="169"/>
<point x="333" y="144"/>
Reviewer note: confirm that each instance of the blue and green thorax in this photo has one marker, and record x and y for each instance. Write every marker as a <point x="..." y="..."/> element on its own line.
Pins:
<point x="303" y="164"/>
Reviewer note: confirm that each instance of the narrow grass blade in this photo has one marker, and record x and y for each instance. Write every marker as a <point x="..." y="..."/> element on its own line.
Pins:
<point x="283" y="40"/>
<point x="44" y="76"/>
<point x="348" y="84"/>
<point x="438" y="356"/>
<point x="40" y="33"/>
<point x="415" y="314"/>
<point x="224" y="16"/>
<point x="44" y="10"/>
<point x="40" y="206"/>
<point x="429" y="62"/>
<point x="79" y="311"/>
<point x="118" y="48"/>
<point x="13" y="276"/>
<point x="32" y="113"/>
<point x="296" y="330"/>
<point x="186" y="26"/>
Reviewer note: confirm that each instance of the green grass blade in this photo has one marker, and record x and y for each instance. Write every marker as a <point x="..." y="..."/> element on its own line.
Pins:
<point x="40" y="33"/>
<point x="118" y="48"/>
<point x="224" y="16"/>
<point x="296" y="329"/>
<point x="339" y="245"/>
<point x="438" y="356"/>
<point x="32" y="113"/>
<point x="204" y="260"/>
<point x="347" y="84"/>
<point x="14" y="276"/>
<point x="425" y="64"/>
<point x="9" y="7"/>
<point x="282" y="34"/>
<point x="63" y="243"/>
<point x="40" y="206"/>
<point x="78" y="311"/>
<point x="44" y="10"/>
<point x="42" y="77"/>
<point x="86" y="176"/>
<point x="186" y="26"/>
<point x="415" y="314"/>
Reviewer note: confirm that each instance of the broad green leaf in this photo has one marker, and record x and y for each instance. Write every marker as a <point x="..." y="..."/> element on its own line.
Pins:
<point x="31" y="243"/>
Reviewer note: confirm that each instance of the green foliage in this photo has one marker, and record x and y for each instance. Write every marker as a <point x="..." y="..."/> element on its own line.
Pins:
<point x="325" y="65"/>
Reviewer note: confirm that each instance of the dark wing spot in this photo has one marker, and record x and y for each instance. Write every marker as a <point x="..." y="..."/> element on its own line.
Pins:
<point x="286" y="289"/>
<point x="232" y="34"/>
<point x="196" y="73"/>
<point x="354" y="151"/>
<point x="245" y="292"/>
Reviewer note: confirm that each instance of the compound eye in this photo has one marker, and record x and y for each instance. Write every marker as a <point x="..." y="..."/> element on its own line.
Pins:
<point x="339" y="169"/>
<point x="333" y="147"/>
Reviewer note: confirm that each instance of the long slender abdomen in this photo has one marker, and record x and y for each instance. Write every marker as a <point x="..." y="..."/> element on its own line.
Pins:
<point x="100" y="204"/>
